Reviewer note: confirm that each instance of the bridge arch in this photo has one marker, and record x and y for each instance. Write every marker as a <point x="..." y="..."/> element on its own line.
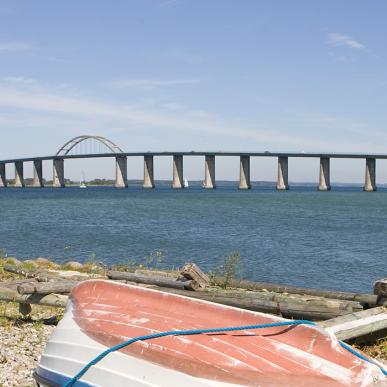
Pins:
<point x="71" y="144"/>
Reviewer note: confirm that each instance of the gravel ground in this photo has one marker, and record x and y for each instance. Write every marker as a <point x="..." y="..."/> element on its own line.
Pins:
<point x="21" y="343"/>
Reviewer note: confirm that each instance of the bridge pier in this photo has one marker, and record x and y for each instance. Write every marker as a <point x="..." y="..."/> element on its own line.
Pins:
<point x="58" y="180"/>
<point x="209" y="172"/>
<point x="3" y="176"/>
<point x="121" y="172"/>
<point x="244" y="173"/>
<point x="370" y="175"/>
<point x="37" y="180"/>
<point x="178" y="177"/>
<point x="282" y="181"/>
<point x="148" y="172"/>
<point x="19" y="174"/>
<point x="324" y="179"/>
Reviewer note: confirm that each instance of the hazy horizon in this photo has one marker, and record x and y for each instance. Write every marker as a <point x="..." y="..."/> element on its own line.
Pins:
<point x="277" y="76"/>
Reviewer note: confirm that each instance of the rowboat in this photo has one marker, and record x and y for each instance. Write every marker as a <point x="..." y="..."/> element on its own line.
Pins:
<point x="101" y="314"/>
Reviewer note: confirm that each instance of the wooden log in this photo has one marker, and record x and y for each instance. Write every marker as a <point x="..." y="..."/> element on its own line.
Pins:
<point x="20" y="271"/>
<point x="354" y="325"/>
<point x="54" y="300"/>
<point x="367" y="300"/>
<point x="157" y="273"/>
<point x="291" y="306"/>
<point x="15" y="283"/>
<point x="380" y="287"/>
<point x="50" y="274"/>
<point x="151" y="280"/>
<point x="46" y="287"/>
<point x="193" y="272"/>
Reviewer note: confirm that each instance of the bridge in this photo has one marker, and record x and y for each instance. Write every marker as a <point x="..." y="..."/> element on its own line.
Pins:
<point x="96" y="146"/>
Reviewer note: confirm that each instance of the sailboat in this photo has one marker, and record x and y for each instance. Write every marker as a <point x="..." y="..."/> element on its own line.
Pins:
<point x="186" y="185"/>
<point x="82" y="181"/>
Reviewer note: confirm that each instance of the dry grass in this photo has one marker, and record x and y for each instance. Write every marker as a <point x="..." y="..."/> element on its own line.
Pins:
<point x="377" y="350"/>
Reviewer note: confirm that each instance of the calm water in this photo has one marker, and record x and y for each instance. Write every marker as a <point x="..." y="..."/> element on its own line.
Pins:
<point x="334" y="240"/>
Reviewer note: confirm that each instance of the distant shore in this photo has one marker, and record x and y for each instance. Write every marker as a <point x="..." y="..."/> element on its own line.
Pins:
<point x="100" y="182"/>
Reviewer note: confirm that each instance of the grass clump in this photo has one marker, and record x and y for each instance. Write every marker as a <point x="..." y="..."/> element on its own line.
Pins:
<point x="377" y="350"/>
<point x="225" y="274"/>
<point x="151" y="262"/>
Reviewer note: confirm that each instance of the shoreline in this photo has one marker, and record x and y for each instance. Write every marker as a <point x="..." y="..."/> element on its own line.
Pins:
<point x="24" y="337"/>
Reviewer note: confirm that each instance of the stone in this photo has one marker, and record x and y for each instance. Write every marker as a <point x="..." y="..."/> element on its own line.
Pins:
<point x="73" y="265"/>
<point x="13" y="261"/>
<point x="25" y="309"/>
<point x="30" y="263"/>
<point x="43" y="261"/>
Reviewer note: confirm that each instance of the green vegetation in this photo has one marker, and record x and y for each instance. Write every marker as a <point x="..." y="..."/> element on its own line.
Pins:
<point x="229" y="270"/>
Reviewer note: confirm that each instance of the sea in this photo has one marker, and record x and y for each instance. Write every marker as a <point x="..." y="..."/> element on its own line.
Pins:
<point x="330" y="240"/>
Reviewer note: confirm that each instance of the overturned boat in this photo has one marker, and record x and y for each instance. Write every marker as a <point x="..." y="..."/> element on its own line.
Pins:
<point x="102" y="314"/>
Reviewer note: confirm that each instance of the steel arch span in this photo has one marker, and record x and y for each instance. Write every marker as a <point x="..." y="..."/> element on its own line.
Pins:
<point x="71" y="144"/>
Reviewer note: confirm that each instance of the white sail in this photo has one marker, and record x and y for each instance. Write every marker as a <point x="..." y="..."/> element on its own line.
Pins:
<point x="82" y="181"/>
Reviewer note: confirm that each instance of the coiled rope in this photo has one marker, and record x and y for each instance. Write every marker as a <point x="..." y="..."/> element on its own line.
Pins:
<point x="204" y="331"/>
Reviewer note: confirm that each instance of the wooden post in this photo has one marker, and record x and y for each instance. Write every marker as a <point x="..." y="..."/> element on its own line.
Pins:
<point x="193" y="272"/>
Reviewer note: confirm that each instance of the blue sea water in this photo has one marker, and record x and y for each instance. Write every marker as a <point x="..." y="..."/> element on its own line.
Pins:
<point x="332" y="240"/>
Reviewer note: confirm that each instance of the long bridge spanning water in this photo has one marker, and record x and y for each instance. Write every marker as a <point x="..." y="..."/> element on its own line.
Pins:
<point x="86" y="147"/>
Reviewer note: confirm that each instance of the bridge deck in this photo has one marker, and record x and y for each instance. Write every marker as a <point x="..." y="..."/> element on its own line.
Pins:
<point x="194" y="153"/>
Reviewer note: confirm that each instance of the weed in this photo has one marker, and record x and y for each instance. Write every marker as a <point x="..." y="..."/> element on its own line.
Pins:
<point x="224" y="274"/>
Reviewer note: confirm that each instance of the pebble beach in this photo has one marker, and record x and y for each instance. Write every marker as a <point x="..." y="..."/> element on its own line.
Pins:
<point x="22" y="342"/>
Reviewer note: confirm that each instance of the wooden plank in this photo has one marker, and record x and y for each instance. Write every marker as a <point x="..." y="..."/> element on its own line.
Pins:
<point x="367" y="300"/>
<point x="152" y="280"/>
<point x="54" y="300"/>
<point x="193" y="272"/>
<point x="357" y="324"/>
<point x="46" y="287"/>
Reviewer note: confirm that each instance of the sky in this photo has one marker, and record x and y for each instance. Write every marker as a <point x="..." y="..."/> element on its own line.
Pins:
<point x="196" y="75"/>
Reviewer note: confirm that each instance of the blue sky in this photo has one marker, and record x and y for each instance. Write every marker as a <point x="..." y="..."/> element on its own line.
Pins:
<point x="196" y="75"/>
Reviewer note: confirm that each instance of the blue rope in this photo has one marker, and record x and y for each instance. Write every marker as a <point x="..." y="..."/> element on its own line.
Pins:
<point x="197" y="332"/>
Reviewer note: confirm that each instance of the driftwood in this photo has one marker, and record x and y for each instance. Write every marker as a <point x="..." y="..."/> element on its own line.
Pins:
<point x="49" y="275"/>
<point x="354" y="325"/>
<point x="15" y="283"/>
<point x="46" y="287"/>
<point x="193" y="272"/>
<point x="54" y="300"/>
<point x="291" y="306"/>
<point x="380" y="289"/>
<point x="152" y="280"/>
<point x="20" y="271"/>
<point x="70" y="275"/>
<point x="157" y="273"/>
<point x="367" y="300"/>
